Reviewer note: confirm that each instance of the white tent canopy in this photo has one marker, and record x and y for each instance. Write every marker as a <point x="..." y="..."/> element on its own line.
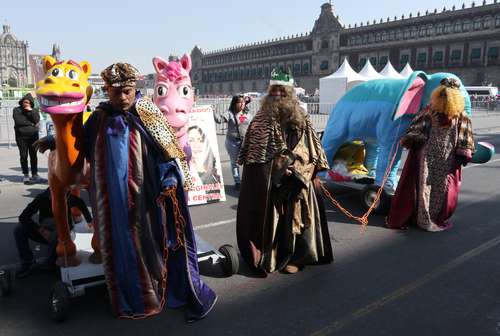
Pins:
<point x="389" y="72"/>
<point x="369" y="72"/>
<point x="407" y="71"/>
<point x="334" y="86"/>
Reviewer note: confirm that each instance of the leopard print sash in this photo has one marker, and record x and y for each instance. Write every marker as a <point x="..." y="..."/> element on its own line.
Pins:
<point x="161" y="131"/>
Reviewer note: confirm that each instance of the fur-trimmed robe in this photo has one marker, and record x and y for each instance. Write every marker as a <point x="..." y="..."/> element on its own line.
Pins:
<point x="427" y="192"/>
<point x="281" y="219"/>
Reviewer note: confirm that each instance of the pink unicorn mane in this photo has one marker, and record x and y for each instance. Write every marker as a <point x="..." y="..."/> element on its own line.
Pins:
<point x="172" y="72"/>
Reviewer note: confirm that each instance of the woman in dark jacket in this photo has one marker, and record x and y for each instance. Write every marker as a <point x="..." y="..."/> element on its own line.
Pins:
<point x="26" y="120"/>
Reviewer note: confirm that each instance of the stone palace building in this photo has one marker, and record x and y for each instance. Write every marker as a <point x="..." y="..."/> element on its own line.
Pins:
<point x="464" y="41"/>
<point x="14" y="68"/>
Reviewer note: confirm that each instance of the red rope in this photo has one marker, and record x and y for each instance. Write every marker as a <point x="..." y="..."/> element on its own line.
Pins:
<point x="363" y="220"/>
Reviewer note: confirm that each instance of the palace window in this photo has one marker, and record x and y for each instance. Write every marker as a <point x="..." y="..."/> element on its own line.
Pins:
<point x="358" y="40"/>
<point x="422" y="58"/>
<point x="414" y="31"/>
<point x="456" y="55"/>
<point x="429" y="30"/>
<point x="447" y="28"/>
<point x="497" y="21"/>
<point x="384" y="36"/>
<point x="467" y="25"/>
<point x="323" y="65"/>
<point x="438" y="56"/>
<point x="439" y="29"/>
<point x="422" y="32"/>
<point x="493" y="53"/>
<point x="371" y="38"/>
<point x="486" y="22"/>
<point x="296" y="68"/>
<point x="362" y="62"/>
<point x="377" y="37"/>
<point x="475" y="53"/>
<point x="373" y="60"/>
<point x="406" y="34"/>
<point x="458" y="27"/>
<point x="383" y="60"/>
<point x="404" y="59"/>
<point x="392" y="35"/>
<point x="305" y="68"/>
<point x="324" y="44"/>
<point x="478" y="24"/>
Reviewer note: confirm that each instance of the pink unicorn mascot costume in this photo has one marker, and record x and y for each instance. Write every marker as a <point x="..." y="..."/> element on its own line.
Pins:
<point x="174" y="95"/>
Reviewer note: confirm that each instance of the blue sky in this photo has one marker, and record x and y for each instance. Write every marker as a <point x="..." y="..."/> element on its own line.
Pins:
<point x="107" y="31"/>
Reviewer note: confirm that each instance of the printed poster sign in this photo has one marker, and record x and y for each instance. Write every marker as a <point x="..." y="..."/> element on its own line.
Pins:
<point x="204" y="165"/>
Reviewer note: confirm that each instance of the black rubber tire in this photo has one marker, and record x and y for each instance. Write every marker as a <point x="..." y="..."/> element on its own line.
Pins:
<point x="59" y="301"/>
<point x="367" y="196"/>
<point x="5" y="282"/>
<point x="231" y="262"/>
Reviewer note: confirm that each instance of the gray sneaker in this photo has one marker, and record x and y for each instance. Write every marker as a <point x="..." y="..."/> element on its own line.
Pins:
<point x="26" y="179"/>
<point x="35" y="178"/>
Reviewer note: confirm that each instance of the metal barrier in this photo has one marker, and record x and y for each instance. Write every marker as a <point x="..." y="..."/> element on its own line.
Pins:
<point x="486" y="105"/>
<point x="7" y="134"/>
<point x="219" y="105"/>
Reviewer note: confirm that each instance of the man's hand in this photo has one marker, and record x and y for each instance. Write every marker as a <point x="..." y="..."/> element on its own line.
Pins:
<point x="41" y="145"/>
<point x="289" y="170"/>
<point x="317" y="182"/>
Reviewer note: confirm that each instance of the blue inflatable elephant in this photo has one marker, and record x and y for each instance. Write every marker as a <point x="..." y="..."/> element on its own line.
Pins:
<point x="379" y="112"/>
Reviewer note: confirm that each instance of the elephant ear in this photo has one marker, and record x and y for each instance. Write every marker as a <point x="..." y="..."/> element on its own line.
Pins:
<point x="410" y="97"/>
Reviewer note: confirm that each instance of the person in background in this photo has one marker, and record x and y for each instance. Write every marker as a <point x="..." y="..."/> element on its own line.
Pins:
<point x="41" y="231"/>
<point x="26" y="123"/>
<point x="237" y="119"/>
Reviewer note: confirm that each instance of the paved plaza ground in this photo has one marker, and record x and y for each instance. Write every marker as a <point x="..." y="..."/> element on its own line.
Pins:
<point x="382" y="282"/>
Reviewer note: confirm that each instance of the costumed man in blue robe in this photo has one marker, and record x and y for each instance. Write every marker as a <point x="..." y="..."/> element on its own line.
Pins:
<point x="146" y="237"/>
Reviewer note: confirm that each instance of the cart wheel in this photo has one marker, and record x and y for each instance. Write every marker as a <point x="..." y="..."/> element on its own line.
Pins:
<point x="231" y="262"/>
<point x="368" y="197"/>
<point x="59" y="301"/>
<point x="5" y="282"/>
